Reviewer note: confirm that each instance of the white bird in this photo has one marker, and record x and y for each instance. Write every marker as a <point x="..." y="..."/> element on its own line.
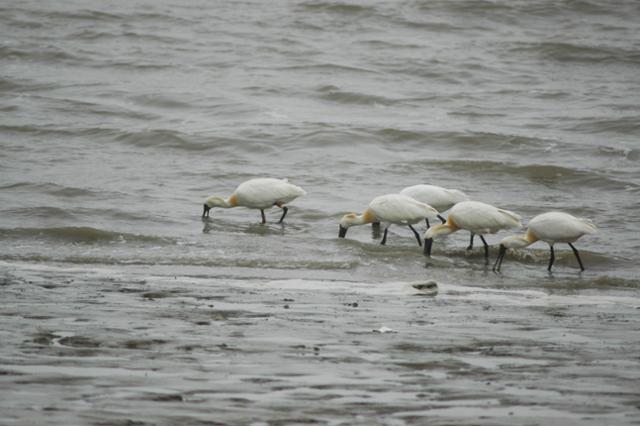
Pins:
<point x="551" y="227"/>
<point x="475" y="217"/>
<point x="260" y="193"/>
<point x="439" y="198"/>
<point x="390" y="209"/>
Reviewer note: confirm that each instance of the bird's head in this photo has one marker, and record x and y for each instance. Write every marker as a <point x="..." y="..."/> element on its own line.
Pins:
<point x="210" y="203"/>
<point x="436" y="231"/>
<point x="514" y="241"/>
<point x="345" y="223"/>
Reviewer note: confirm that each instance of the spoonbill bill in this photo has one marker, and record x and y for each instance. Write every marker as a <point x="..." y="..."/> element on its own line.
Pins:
<point x="475" y="217"/>
<point x="259" y="193"/>
<point x="390" y="209"/>
<point x="551" y="227"/>
<point x="439" y="198"/>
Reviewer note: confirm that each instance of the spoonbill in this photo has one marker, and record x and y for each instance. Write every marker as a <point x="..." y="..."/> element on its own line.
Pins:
<point x="439" y="198"/>
<point x="551" y="227"/>
<point x="259" y="193"/>
<point x="475" y="217"/>
<point x="390" y="209"/>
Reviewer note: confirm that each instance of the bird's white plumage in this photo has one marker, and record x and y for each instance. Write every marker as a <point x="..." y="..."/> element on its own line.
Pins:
<point x="400" y="209"/>
<point x="559" y="227"/>
<point x="480" y="218"/>
<point x="262" y="193"/>
<point x="437" y="197"/>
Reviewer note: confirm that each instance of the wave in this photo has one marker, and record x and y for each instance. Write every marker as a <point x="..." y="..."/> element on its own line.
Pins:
<point x="540" y="255"/>
<point x="52" y="189"/>
<point x="83" y="234"/>
<point x="328" y="68"/>
<point x="541" y="173"/>
<point x="37" y="53"/>
<point x="334" y="94"/>
<point x="629" y="125"/>
<point x="484" y="140"/>
<point x="173" y="139"/>
<point x="189" y="261"/>
<point x="571" y="52"/>
<point x="338" y="8"/>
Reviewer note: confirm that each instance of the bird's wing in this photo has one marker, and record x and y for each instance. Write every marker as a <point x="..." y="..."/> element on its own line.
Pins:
<point x="264" y="192"/>
<point x="559" y="226"/>
<point x="482" y="218"/>
<point x="456" y="196"/>
<point x="510" y="219"/>
<point x="400" y="208"/>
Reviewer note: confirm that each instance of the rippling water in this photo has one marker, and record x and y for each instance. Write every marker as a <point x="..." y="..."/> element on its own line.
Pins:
<point x="120" y="306"/>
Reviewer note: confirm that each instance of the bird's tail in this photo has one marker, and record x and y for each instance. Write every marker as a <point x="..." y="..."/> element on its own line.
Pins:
<point x="589" y="226"/>
<point x="457" y="195"/>
<point x="514" y="219"/>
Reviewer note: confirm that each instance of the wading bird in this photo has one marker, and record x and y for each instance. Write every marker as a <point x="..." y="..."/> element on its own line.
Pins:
<point x="552" y="227"/>
<point x="475" y="217"/>
<point x="439" y="198"/>
<point x="397" y="209"/>
<point x="260" y="193"/>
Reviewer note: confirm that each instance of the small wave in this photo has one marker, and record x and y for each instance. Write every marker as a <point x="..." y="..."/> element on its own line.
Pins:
<point x="74" y="234"/>
<point x="51" y="189"/>
<point x="46" y="54"/>
<point x="88" y="15"/>
<point x="540" y="255"/>
<point x="161" y="101"/>
<point x="327" y="68"/>
<point x="188" y="261"/>
<point x="626" y="153"/>
<point x="473" y="140"/>
<point x="541" y="173"/>
<point x="73" y="106"/>
<point x="626" y="125"/>
<point x="334" y="94"/>
<point x="569" y="52"/>
<point x="39" y="212"/>
<point x="338" y="8"/>
<point x="155" y="138"/>
<point x="133" y="65"/>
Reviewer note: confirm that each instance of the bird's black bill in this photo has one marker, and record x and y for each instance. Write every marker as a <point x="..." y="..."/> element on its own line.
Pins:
<point x="501" y="254"/>
<point x="428" y="242"/>
<point x="343" y="232"/>
<point x="205" y="212"/>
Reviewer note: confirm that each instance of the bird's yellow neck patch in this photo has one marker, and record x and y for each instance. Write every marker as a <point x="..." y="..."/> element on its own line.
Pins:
<point x="233" y="200"/>
<point x="450" y="223"/>
<point x="368" y="216"/>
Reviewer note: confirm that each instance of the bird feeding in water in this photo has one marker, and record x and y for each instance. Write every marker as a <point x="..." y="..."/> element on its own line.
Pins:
<point x="551" y="227"/>
<point x="390" y="209"/>
<point x="441" y="199"/>
<point x="260" y="193"/>
<point x="475" y="217"/>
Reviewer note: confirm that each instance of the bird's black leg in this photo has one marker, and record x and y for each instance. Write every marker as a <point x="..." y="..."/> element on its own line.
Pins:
<point x="575" y="251"/>
<point x="486" y="250"/>
<point x="427" y="220"/>
<point x="500" y="258"/>
<point x="264" y="219"/>
<point x="552" y="258"/>
<point x="384" y="237"/>
<point x="442" y="219"/>
<point x="416" y="234"/>
<point x="285" y="209"/>
<point x="471" y="242"/>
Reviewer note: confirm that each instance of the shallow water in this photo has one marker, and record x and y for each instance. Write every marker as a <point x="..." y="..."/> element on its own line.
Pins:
<point x="122" y="306"/>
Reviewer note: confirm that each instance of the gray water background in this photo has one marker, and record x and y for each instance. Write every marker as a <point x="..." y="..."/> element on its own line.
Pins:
<point x="120" y="306"/>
